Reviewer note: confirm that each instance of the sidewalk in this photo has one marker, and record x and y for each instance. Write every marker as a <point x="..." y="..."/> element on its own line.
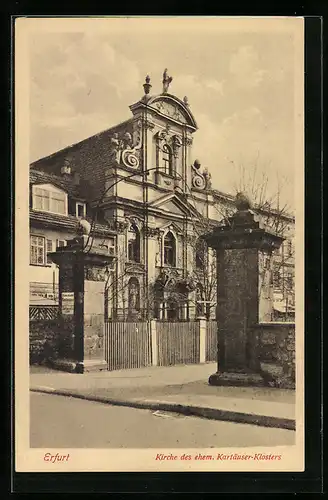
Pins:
<point x="182" y="389"/>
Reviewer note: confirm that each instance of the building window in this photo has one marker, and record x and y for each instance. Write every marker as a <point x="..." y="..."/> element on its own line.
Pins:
<point x="60" y="243"/>
<point x="80" y="210"/>
<point x="134" y="244"/>
<point x="48" y="200"/>
<point x="169" y="250"/>
<point x="167" y="160"/>
<point x="37" y="250"/>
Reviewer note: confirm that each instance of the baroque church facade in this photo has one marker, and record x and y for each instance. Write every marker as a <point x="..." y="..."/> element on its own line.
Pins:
<point x="147" y="200"/>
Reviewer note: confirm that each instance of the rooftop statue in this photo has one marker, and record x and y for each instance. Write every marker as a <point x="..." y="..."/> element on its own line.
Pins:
<point x="166" y="81"/>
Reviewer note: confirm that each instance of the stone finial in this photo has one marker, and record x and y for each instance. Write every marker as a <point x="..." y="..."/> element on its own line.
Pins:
<point x="83" y="227"/>
<point x="185" y="100"/>
<point x="242" y="202"/>
<point x="166" y="81"/>
<point x="147" y="86"/>
<point x="197" y="164"/>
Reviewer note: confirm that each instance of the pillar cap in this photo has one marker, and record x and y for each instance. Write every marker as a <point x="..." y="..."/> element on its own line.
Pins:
<point x="243" y="230"/>
<point x="82" y="247"/>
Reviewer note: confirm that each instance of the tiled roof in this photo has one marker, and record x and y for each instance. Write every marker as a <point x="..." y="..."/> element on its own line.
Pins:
<point x="77" y="145"/>
<point x="62" y="182"/>
<point x="65" y="221"/>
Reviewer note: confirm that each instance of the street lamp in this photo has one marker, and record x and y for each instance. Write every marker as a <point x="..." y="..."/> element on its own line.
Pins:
<point x="107" y="275"/>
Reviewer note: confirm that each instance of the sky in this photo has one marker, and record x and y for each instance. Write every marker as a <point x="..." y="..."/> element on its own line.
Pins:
<point x="240" y="80"/>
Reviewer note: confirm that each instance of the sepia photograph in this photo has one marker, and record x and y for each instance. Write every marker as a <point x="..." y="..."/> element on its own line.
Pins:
<point x="159" y="199"/>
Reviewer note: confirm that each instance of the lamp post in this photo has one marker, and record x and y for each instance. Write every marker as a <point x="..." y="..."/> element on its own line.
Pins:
<point x="107" y="275"/>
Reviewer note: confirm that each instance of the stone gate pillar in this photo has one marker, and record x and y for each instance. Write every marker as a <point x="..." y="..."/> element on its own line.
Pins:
<point x="82" y="278"/>
<point x="244" y="253"/>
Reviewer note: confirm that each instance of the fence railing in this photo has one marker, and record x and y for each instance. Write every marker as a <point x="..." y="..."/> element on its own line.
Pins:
<point x="177" y="343"/>
<point x="211" y="353"/>
<point x="159" y="343"/>
<point x="44" y="312"/>
<point x="127" y="345"/>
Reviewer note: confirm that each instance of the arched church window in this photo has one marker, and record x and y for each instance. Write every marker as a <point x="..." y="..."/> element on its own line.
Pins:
<point x="169" y="250"/>
<point x="134" y="244"/>
<point x="167" y="159"/>
<point x="134" y="294"/>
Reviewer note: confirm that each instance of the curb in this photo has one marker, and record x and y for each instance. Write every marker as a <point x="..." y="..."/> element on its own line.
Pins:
<point x="184" y="409"/>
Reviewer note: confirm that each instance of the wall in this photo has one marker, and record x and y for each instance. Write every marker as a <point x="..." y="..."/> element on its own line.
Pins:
<point x="90" y="158"/>
<point x="49" y="340"/>
<point x="130" y="190"/>
<point x="276" y="352"/>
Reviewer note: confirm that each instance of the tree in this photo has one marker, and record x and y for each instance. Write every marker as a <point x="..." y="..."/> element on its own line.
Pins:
<point x="276" y="216"/>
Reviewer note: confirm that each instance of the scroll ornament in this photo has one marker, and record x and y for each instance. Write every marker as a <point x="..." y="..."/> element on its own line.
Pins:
<point x="124" y="151"/>
<point x="131" y="154"/>
<point x="200" y="180"/>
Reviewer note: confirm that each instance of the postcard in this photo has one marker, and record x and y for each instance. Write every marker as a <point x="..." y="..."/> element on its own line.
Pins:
<point x="159" y="193"/>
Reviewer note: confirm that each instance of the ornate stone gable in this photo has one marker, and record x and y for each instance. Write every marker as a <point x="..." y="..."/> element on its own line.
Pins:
<point x="171" y="110"/>
<point x="175" y="204"/>
<point x="168" y="106"/>
<point x="171" y="226"/>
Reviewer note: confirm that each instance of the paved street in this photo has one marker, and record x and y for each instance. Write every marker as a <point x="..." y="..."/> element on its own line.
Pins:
<point x="62" y="422"/>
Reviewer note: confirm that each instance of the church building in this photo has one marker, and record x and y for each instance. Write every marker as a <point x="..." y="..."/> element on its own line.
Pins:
<point x="148" y="200"/>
